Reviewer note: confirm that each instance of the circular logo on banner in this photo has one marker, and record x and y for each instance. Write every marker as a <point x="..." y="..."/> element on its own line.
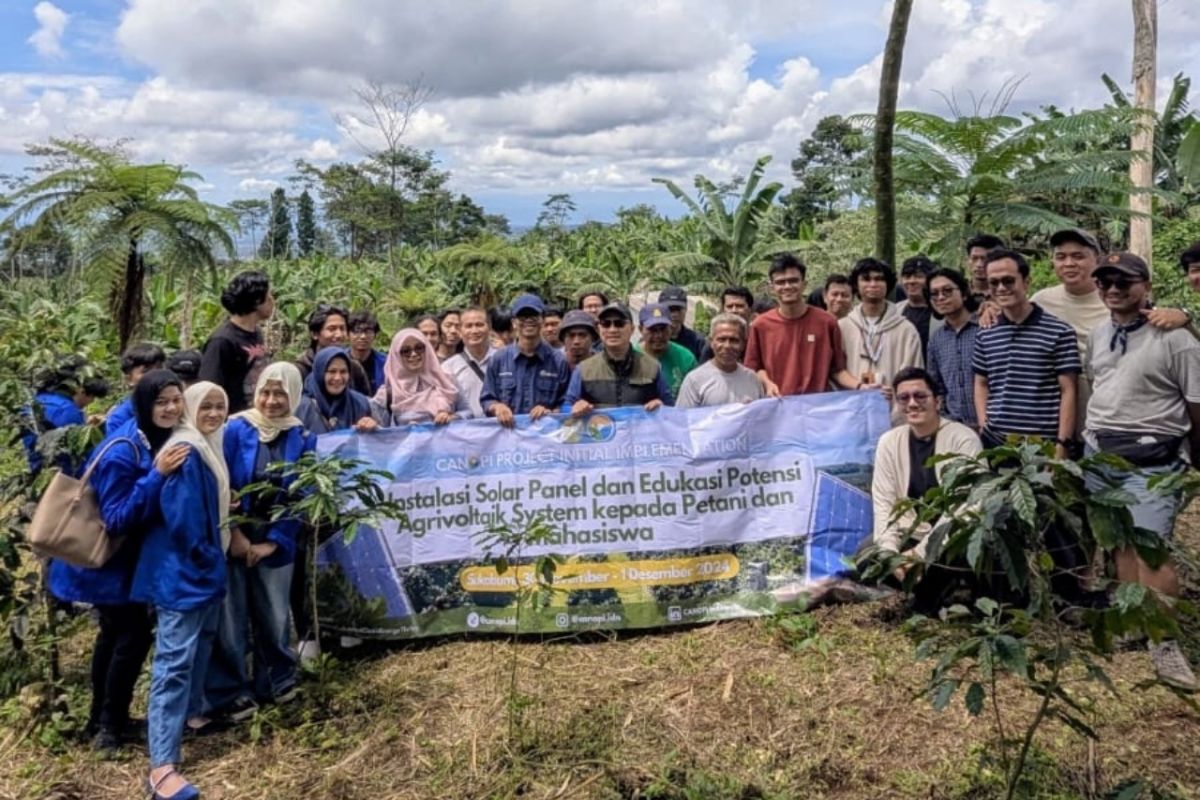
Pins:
<point x="601" y="428"/>
<point x="472" y="620"/>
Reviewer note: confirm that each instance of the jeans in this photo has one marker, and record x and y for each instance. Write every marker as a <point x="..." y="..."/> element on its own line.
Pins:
<point x="254" y="620"/>
<point x="117" y="658"/>
<point x="173" y="675"/>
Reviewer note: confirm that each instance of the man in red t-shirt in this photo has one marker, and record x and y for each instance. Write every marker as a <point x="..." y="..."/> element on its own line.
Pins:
<point x="796" y="348"/>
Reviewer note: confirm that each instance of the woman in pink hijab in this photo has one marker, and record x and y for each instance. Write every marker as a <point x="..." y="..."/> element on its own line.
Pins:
<point x="414" y="389"/>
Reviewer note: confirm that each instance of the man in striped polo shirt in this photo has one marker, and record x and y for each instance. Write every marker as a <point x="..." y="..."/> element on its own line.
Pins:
<point x="1026" y="366"/>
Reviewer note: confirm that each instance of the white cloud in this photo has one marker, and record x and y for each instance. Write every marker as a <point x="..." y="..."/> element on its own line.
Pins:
<point x="52" y="23"/>
<point x="563" y="95"/>
<point x="257" y="186"/>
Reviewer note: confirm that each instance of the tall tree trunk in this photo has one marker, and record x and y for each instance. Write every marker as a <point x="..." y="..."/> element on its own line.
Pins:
<point x="885" y="123"/>
<point x="1141" y="168"/>
<point x="127" y="296"/>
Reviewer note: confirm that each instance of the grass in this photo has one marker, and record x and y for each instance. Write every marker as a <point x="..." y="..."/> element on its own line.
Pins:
<point x="820" y="706"/>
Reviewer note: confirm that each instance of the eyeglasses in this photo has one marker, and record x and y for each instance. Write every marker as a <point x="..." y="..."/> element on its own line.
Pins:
<point x="612" y="323"/>
<point x="409" y="352"/>
<point x="946" y="292"/>
<point x="1121" y="284"/>
<point x="1008" y="282"/>
<point x="920" y="398"/>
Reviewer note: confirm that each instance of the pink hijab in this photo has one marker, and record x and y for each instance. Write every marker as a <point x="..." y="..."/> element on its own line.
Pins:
<point x="415" y="396"/>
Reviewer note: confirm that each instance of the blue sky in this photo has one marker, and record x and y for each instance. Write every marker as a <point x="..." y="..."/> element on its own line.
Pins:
<point x="530" y="97"/>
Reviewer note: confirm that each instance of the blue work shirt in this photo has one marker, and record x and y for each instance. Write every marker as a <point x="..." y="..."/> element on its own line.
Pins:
<point x="523" y="382"/>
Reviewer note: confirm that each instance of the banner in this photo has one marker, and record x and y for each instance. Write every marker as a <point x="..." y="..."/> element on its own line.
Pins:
<point x="676" y="516"/>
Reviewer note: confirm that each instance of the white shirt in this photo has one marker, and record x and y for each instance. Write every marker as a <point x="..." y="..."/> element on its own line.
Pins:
<point x="470" y="383"/>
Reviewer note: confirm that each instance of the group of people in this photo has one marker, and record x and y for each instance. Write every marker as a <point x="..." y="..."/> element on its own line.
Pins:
<point x="966" y="361"/>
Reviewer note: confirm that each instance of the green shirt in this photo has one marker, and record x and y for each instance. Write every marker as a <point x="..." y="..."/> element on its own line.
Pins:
<point x="677" y="362"/>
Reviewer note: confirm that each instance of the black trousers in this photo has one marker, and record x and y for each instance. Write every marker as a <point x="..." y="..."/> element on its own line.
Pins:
<point x="302" y="615"/>
<point x="126" y="634"/>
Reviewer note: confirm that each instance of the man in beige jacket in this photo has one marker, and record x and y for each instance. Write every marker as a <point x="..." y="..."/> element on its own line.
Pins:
<point x="878" y="340"/>
<point x="901" y="461"/>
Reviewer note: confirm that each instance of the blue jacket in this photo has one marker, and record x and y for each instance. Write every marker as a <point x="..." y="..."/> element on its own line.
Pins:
<point x="523" y="382"/>
<point x="241" y="454"/>
<point x="127" y="487"/>
<point x="53" y="411"/>
<point x="120" y="414"/>
<point x="182" y="564"/>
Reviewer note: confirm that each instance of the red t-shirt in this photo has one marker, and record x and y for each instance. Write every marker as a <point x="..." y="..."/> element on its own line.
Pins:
<point x="800" y="355"/>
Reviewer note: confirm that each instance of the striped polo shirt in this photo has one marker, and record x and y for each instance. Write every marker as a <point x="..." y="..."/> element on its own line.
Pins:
<point x="1022" y="362"/>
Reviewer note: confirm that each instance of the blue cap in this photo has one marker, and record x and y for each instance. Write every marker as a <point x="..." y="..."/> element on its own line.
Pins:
<point x="654" y="314"/>
<point x="528" y="302"/>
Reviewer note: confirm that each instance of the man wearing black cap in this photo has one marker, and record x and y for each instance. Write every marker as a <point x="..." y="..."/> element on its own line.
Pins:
<point x="578" y="335"/>
<point x="528" y="376"/>
<point x="675" y="359"/>
<point x="618" y="375"/>
<point x="1145" y="408"/>
<point x="186" y="364"/>
<point x="675" y="298"/>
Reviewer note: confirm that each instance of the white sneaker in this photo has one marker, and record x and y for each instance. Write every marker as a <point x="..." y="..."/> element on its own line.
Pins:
<point x="309" y="651"/>
<point x="1172" y="665"/>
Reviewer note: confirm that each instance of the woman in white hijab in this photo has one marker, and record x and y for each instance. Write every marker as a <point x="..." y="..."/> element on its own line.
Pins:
<point x="181" y="570"/>
<point x="261" y="553"/>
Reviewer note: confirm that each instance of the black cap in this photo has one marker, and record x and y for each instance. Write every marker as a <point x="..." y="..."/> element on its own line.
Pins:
<point x="576" y="318"/>
<point x="1077" y="235"/>
<point x="1124" y="264"/>
<point x="673" y="297"/>
<point x="614" y="308"/>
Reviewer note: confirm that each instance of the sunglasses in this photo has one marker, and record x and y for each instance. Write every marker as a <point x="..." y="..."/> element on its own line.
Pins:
<point x="1121" y="284"/>
<point x="948" y="292"/>
<point x="1008" y="282"/>
<point x="920" y="398"/>
<point x="612" y="323"/>
<point x="409" y="352"/>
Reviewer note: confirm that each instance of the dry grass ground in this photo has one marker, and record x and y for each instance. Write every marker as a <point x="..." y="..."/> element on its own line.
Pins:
<point x="734" y="710"/>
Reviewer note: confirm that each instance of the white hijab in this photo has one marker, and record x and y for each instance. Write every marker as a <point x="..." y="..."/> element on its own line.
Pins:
<point x="293" y="385"/>
<point x="210" y="447"/>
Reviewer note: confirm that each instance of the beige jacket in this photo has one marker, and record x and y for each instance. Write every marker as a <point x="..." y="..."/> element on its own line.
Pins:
<point x="880" y="353"/>
<point x="889" y="485"/>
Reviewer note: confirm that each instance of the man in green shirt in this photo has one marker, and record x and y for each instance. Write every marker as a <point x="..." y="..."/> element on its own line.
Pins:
<point x="675" y="359"/>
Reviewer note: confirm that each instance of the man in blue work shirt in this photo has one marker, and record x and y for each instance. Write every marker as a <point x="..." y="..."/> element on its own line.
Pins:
<point x="529" y="376"/>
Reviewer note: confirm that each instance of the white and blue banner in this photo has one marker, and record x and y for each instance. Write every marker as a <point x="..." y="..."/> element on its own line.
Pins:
<point x="670" y="517"/>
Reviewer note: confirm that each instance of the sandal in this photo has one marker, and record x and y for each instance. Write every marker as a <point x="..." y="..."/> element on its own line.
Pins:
<point x="186" y="792"/>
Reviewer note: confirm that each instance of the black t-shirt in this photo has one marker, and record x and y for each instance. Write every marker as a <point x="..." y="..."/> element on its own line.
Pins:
<point x="921" y="478"/>
<point x="920" y="317"/>
<point x="233" y="359"/>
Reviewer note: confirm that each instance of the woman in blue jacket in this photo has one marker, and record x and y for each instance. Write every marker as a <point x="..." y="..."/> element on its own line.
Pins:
<point x="128" y="481"/>
<point x="181" y="572"/>
<point x="261" y="553"/>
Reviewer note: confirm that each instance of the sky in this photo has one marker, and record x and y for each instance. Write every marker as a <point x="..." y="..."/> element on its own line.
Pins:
<point x="533" y="97"/>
